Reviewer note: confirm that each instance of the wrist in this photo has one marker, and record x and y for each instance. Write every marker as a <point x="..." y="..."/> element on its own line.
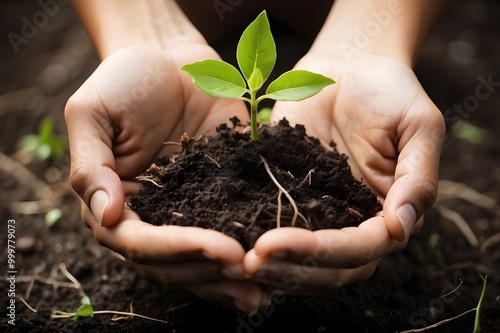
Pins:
<point x="392" y="28"/>
<point x="116" y="24"/>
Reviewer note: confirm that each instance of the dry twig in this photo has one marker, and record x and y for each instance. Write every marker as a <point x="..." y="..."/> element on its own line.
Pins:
<point x="439" y="323"/>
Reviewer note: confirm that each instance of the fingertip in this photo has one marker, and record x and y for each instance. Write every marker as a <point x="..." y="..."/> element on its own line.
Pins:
<point x="98" y="204"/>
<point x="106" y="211"/>
<point x="400" y="221"/>
<point x="251" y="263"/>
<point x="407" y="218"/>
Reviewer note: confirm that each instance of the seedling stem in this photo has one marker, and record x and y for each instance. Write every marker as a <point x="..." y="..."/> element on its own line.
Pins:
<point x="256" y="55"/>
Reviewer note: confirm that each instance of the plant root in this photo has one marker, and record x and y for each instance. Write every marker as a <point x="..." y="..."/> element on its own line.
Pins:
<point x="289" y="197"/>
<point x="278" y="214"/>
<point x="148" y="179"/>
<point x="213" y="161"/>
<point x="306" y="178"/>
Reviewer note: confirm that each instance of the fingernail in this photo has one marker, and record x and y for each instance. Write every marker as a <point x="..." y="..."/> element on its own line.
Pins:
<point x="98" y="204"/>
<point x="407" y="217"/>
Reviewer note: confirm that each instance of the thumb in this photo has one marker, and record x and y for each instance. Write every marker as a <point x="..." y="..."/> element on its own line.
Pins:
<point x="416" y="176"/>
<point x="93" y="175"/>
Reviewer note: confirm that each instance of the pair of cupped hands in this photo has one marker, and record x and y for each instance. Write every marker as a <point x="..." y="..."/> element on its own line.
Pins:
<point x="377" y="113"/>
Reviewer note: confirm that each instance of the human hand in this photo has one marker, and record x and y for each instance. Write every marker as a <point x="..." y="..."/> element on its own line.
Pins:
<point x="117" y="121"/>
<point x="380" y="116"/>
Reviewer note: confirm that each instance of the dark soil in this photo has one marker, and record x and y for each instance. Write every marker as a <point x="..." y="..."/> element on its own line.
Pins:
<point x="221" y="183"/>
<point x="410" y="289"/>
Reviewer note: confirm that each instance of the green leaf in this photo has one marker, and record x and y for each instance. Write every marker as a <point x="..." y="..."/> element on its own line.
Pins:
<point x="52" y="216"/>
<point x="256" y="48"/>
<point x="84" y="311"/>
<point x="30" y="142"/>
<point x="85" y="300"/>
<point x="46" y="129"/>
<point x="256" y="80"/>
<point x="469" y="132"/>
<point x="43" y="151"/>
<point x="216" y="78"/>
<point x="296" y="85"/>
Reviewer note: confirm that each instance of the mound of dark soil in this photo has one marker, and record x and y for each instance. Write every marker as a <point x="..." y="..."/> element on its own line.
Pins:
<point x="221" y="183"/>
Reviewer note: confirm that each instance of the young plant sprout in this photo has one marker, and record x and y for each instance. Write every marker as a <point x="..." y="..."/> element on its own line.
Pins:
<point x="256" y="56"/>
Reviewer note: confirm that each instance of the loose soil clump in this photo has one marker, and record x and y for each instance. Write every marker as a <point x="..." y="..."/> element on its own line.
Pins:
<point x="221" y="183"/>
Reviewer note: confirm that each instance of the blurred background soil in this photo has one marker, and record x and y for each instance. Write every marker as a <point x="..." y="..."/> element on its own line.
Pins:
<point x="407" y="291"/>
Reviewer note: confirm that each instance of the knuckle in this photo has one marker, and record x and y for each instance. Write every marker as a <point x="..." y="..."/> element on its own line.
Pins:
<point x="72" y="106"/>
<point x="429" y="192"/>
<point x="100" y="240"/>
<point x="362" y="260"/>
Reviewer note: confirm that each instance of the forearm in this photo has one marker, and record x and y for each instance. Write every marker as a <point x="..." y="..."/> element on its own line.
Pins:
<point x="115" y="24"/>
<point x="394" y="28"/>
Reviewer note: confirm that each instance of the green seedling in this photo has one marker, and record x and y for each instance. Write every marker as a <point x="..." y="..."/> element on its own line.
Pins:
<point x="45" y="145"/>
<point x="477" y="309"/>
<point x="477" y="328"/>
<point x="256" y="56"/>
<point x="84" y="311"/>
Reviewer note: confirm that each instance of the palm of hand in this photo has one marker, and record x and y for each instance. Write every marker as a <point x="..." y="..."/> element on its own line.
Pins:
<point x="148" y="101"/>
<point x="117" y="123"/>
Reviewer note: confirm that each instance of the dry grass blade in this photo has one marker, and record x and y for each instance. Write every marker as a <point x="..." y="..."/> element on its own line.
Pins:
<point x="460" y="222"/>
<point x="489" y="242"/>
<point x="25" y="177"/>
<point x="26" y="303"/>
<point x="448" y="189"/>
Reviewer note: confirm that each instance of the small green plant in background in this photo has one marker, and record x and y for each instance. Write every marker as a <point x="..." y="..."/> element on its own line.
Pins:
<point x="256" y="56"/>
<point x="470" y="132"/>
<point x="52" y="216"/>
<point x="264" y="115"/>
<point x="477" y="328"/>
<point x="45" y="145"/>
<point x="84" y="311"/>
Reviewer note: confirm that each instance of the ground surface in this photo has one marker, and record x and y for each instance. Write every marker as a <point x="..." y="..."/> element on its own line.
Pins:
<point x="409" y="289"/>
